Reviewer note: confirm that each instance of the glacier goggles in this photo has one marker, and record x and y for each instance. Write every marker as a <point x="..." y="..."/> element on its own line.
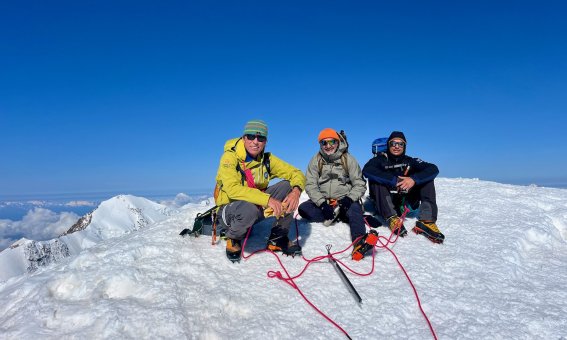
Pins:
<point x="330" y="142"/>
<point x="399" y="144"/>
<point x="251" y="137"/>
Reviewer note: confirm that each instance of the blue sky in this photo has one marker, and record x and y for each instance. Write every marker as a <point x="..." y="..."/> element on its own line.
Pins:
<point x="114" y="96"/>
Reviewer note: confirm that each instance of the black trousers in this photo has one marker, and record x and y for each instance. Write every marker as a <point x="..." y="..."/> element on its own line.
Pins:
<point x="310" y="211"/>
<point x="420" y="196"/>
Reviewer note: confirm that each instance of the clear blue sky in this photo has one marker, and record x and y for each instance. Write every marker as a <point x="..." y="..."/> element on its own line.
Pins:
<point x="141" y="96"/>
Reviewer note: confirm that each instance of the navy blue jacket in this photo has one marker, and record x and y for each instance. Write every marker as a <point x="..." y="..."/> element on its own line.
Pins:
<point x="385" y="169"/>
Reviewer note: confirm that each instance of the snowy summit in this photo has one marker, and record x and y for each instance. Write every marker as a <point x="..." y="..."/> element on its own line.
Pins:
<point x="123" y="271"/>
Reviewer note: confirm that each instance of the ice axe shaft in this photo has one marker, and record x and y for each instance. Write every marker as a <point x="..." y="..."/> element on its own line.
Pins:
<point x="343" y="276"/>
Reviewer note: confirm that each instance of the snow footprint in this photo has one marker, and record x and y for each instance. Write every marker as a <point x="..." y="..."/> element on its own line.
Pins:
<point x="234" y="308"/>
<point x="123" y="286"/>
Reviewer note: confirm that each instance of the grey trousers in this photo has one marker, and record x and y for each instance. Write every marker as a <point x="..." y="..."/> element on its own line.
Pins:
<point x="238" y="216"/>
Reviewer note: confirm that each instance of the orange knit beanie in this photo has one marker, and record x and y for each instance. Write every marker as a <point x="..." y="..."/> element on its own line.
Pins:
<point x="328" y="133"/>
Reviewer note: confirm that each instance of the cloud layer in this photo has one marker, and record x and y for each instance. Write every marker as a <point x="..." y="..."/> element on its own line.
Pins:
<point x="38" y="224"/>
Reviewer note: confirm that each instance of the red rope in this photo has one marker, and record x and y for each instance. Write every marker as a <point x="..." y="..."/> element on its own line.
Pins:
<point x="385" y="245"/>
<point x="412" y="287"/>
<point x="291" y="280"/>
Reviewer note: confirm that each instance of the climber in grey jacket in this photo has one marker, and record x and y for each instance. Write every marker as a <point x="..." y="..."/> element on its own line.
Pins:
<point x="334" y="177"/>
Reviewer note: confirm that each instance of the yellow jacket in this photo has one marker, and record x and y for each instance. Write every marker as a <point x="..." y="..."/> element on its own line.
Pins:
<point x="231" y="186"/>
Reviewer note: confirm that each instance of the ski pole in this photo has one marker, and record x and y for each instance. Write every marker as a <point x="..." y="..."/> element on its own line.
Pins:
<point x="344" y="278"/>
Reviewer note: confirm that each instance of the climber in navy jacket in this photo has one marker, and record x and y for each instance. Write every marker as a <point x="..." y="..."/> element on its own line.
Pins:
<point x="395" y="179"/>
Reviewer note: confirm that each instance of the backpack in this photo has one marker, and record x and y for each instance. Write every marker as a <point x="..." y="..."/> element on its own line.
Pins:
<point x="200" y="220"/>
<point x="379" y="145"/>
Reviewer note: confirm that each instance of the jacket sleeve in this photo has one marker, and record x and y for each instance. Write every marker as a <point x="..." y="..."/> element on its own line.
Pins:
<point x="358" y="183"/>
<point x="422" y="171"/>
<point x="374" y="170"/>
<point x="231" y="181"/>
<point x="284" y="170"/>
<point x="312" y="183"/>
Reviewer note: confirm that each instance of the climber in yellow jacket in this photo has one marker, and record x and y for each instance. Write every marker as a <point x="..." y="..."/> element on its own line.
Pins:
<point x="244" y="196"/>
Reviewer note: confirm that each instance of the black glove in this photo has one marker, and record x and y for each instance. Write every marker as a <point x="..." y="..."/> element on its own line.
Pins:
<point x="345" y="203"/>
<point x="328" y="213"/>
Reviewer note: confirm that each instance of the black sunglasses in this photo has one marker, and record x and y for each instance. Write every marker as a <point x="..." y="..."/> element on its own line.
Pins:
<point x="251" y="137"/>
<point x="400" y="144"/>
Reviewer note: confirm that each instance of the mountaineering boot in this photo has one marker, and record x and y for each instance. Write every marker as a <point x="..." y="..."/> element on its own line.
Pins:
<point x="397" y="226"/>
<point x="364" y="245"/>
<point x="233" y="250"/>
<point x="429" y="230"/>
<point x="282" y="243"/>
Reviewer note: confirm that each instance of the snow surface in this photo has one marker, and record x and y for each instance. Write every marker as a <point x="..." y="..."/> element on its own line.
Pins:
<point x="500" y="274"/>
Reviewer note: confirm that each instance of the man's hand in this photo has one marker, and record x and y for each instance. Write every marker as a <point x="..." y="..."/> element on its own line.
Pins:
<point x="276" y="206"/>
<point x="292" y="200"/>
<point x="405" y="183"/>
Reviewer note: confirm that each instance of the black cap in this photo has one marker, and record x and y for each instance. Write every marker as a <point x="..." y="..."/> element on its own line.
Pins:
<point x="397" y="134"/>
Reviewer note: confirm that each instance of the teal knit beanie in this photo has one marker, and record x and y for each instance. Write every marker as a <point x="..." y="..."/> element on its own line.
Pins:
<point x="256" y="127"/>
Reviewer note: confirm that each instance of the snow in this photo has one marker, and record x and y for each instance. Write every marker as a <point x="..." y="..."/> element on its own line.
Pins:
<point x="500" y="274"/>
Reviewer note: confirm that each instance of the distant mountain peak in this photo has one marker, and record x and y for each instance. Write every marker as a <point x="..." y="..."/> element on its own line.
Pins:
<point x="112" y="218"/>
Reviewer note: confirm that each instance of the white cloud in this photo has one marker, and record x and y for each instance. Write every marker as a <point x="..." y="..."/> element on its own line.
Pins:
<point x="80" y="204"/>
<point x="179" y="200"/>
<point x="5" y="243"/>
<point x="38" y="224"/>
<point x="37" y="202"/>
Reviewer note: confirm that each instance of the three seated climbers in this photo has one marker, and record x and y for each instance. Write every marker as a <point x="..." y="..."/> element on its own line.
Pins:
<point x="335" y="186"/>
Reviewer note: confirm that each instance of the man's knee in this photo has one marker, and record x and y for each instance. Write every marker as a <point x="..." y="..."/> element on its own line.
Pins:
<point x="240" y="213"/>
<point x="355" y="210"/>
<point x="303" y="209"/>
<point x="279" y="190"/>
<point x="309" y="211"/>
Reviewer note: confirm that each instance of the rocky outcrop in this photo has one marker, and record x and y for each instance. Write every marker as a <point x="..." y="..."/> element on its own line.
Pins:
<point x="39" y="254"/>
<point x="81" y="224"/>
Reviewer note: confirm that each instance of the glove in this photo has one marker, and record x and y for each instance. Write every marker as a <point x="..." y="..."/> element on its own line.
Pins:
<point x="345" y="203"/>
<point x="328" y="213"/>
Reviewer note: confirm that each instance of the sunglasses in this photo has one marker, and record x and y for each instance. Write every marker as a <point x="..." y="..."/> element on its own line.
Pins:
<point x="330" y="142"/>
<point x="400" y="144"/>
<point x="251" y="137"/>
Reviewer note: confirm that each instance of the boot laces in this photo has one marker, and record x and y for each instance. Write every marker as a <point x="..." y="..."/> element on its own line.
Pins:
<point x="431" y="226"/>
<point x="233" y="245"/>
<point x="395" y="223"/>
